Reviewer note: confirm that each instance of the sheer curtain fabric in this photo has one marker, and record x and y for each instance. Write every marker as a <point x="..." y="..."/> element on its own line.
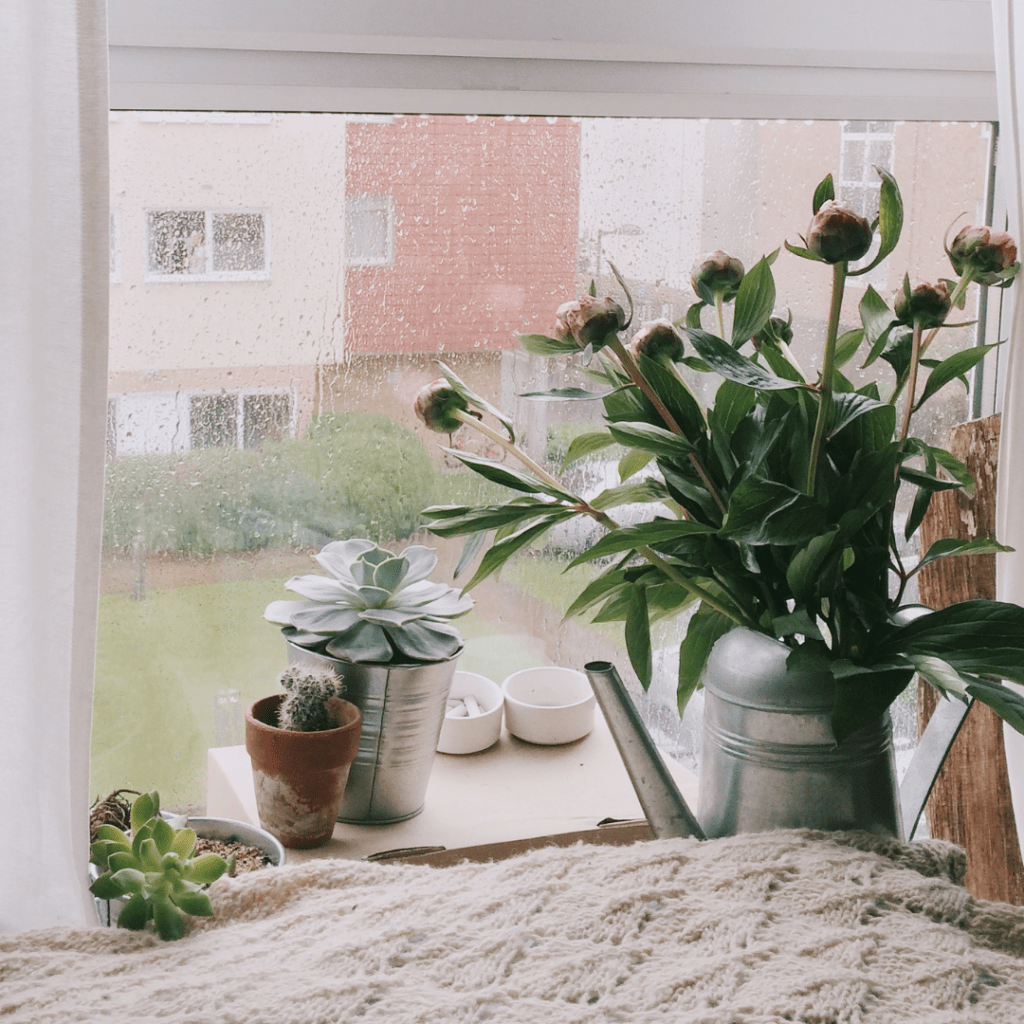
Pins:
<point x="54" y="280"/>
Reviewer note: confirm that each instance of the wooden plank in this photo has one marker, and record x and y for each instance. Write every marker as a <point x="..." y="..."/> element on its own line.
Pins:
<point x="970" y="804"/>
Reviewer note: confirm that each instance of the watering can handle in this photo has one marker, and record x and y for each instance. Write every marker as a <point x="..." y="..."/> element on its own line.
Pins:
<point x="932" y="748"/>
<point x="666" y="810"/>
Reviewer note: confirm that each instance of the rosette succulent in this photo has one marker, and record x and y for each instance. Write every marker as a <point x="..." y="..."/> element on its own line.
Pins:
<point x="154" y="868"/>
<point x="375" y="607"/>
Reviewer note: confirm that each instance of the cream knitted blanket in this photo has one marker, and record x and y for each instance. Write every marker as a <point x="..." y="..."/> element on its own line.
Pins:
<point x="783" y="926"/>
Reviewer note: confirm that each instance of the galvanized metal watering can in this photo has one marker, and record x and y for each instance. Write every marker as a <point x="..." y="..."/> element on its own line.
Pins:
<point x="769" y="759"/>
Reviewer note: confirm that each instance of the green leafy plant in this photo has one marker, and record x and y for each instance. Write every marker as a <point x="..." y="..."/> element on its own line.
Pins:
<point x="153" y="867"/>
<point x="378" y="607"/>
<point x="307" y="706"/>
<point x="774" y="507"/>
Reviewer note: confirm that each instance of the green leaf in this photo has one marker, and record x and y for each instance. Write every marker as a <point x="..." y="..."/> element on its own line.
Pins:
<point x="918" y="510"/>
<point x="144" y="807"/>
<point x="755" y="301"/>
<point x="476" y="400"/>
<point x="500" y="552"/>
<point x="805" y="566"/>
<point x="693" y="314"/>
<point x="702" y="632"/>
<point x="114" y="835"/>
<point x="890" y="220"/>
<point x="541" y="345"/>
<point x="595" y="591"/>
<point x="765" y="512"/>
<point x="184" y="843"/>
<point x="647" y="490"/>
<point x="949" y="369"/>
<point x="847" y="345"/>
<point x="129" y="879"/>
<point x="506" y="476"/>
<point x="677" y="398"/>
<point x="586" y="444"/>
<point x="632" y="462"/>
<point x="197" y="904"/>
<point x="823" y="193"/>
<point x="205" y="869"/>
<point x="860" y="699"/>
<point x="950" y="548"/>
<point x="638" y="635"/>
<point x="647" y="437"/>
<point x="732" y="403"/>
<point x="565" y="395"/>
<point x="796" y="623"/>
<point x="953" y="466"/>
<point x="876" y="316"/>
<point x="163" y="835"/>
<point x="806" y="254"/>
<point x="940" y="674"/>
<point x="105" y="888"/>
<point x="929" y="483"/>
<point x="169" y="920"/>
<point x="849" y="405"/>
<point x="134" y="914"/>
<point x="724" y="359"/>
<point x="492" y="517"/>
<point x="474" y="542"/>
<point x="1006" y="703"/>
<point x="629" y="538"/>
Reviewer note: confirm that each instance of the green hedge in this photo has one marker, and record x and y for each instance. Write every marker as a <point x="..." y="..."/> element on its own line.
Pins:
<point x="353" y="475"/>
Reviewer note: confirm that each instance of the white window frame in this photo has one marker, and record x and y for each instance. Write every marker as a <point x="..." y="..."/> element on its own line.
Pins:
<point x="115" y="245"/>
<point x="239" y="395"/>
<point x="365" y="202"/>
<point x="208" y="274"/>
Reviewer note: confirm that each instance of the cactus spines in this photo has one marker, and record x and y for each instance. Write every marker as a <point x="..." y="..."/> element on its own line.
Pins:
<point x="306" y="708"/>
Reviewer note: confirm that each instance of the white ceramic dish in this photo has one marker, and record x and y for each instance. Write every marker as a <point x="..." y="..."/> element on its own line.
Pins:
<point x="548" y="705"/>
<point x="468" y="735"/>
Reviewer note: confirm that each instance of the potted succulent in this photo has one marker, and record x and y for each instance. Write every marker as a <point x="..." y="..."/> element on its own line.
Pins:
<point x="150" y="873"/>
<point x="302" y="744"/>
<point x="773" y="510"/>
<point x="385" y="630"/>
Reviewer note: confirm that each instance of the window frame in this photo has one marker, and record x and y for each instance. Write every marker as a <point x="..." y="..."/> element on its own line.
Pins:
<point x="362" y="202"/>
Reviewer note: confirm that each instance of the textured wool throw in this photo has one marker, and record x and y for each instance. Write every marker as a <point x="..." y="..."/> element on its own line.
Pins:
<point x="782" y="926"/>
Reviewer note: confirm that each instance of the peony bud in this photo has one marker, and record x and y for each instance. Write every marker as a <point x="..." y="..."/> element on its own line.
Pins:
<point x="927" y="305"/>
<point x="658" y="339"/>
<point x="718" y="274"/>
<point x="837" y="234"/>
<point x="985" y="252"/>
<point x="588" y="320"/>
<point x="436" y="405"/>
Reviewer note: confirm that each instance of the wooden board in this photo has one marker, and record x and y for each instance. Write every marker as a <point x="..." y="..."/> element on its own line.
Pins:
<point x="970" y="804"/>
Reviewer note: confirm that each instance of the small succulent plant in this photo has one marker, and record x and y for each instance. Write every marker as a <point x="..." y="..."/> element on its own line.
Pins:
<point x="379" y="607"/>
<point x="153" y="866"/>
<point x="307" y="706"/>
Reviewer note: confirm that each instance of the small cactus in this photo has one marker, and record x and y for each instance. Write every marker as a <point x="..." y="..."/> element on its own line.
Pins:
<point x="307" y="708"/>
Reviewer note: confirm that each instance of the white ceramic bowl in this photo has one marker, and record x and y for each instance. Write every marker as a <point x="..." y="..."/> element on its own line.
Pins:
<point x="548" y="705"/>
<point x="468" y="735"/>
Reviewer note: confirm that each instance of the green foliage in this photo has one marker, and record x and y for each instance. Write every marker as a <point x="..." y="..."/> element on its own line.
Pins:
<point x="152" y="865"/>
<point x="775" y="508"/>
<point x="353" y="474"/>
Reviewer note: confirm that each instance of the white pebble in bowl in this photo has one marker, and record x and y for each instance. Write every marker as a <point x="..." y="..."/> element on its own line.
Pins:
<point x="548" y="705"/>
<point x="473" y="719"/>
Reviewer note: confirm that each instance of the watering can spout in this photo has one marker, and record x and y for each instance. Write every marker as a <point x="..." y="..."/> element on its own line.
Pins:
<point x="666" y="810"/>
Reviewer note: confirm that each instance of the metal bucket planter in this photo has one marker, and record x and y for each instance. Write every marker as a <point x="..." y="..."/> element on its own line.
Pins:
<point x="769" y="758"/>
<point x="403" y="708"/>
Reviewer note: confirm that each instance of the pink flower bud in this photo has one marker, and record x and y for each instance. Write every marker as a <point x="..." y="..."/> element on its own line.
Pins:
<point x="658" y="339"/>
<point x="986" y="252"/>
<point x="837" y="234"/>
<point x="589" y="320"/>
<point x="926" y="305"/>
<point x="716" y="274"/>
<point x="436" y="405"/>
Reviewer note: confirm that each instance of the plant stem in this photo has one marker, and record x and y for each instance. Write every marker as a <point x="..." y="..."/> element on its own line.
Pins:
<point x="720" y="314"/>
<point x="915" y="362"/>
<point x="827" y="372"/>
<point x="629" y="365"/>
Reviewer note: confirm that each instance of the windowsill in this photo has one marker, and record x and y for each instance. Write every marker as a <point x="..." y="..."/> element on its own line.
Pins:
<point x="514" y="790"/>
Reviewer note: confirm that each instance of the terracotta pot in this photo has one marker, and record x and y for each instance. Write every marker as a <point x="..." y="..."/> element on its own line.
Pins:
<point x="300" y="777"/>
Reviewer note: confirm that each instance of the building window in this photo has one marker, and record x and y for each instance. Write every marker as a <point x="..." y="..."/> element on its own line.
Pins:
<point x="863" y="146"/>
<point x="369" y="231"/>
<point x="213" y="421"/>
<point x="265" y="417"/>
<point x="206" y="245"/>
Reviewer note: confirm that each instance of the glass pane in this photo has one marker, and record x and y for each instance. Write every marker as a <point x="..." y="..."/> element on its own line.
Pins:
<point x="255" y="418"/>
<point x="238" y="241"/>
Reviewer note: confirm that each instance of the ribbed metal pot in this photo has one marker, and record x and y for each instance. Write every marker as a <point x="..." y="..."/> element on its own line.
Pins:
<point x="769" y="758"/>
<point x="403" y="708"/>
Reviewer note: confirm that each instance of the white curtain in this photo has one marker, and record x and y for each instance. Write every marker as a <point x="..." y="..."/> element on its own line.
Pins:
<point x="54" y="279"/>
<point x="1008" y="25"/>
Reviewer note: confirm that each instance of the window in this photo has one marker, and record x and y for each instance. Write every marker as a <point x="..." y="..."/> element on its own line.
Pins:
<point x="265" y="418"/>
<point x="369" y="231"/>
<point x="213" y="421"/>
<point x="206" y="245"/>
<point x="863" y="146"/>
